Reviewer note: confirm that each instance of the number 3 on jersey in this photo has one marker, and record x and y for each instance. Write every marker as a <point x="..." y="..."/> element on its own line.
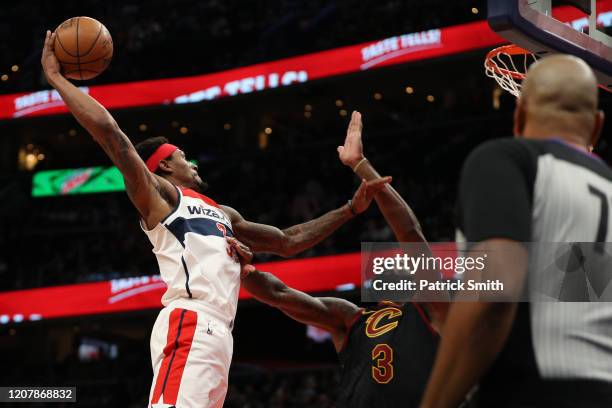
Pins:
<point x="229" y="249"/>
<point x="382" y="369"/>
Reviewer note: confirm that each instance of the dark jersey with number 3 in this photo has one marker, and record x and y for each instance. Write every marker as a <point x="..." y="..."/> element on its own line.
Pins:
<point x="387" y="357"/>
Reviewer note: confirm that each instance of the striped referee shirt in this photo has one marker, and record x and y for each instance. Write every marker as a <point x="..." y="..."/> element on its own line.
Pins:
<point x="542" y="191"/>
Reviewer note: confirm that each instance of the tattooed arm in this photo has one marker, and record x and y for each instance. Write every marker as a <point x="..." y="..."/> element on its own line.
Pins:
<point x="153" y="196"/>
<point x="292" y="240"/>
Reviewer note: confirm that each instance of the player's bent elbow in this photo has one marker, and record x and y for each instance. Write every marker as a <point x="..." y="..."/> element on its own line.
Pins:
<point x="288" y="246"/>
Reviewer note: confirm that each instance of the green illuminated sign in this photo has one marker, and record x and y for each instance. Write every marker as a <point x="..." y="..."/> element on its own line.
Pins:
<point x="87" y="180"/>
<point x="77" y="181"/>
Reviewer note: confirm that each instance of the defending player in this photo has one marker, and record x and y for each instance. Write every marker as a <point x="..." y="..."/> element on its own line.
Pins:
<point x="191" y="342"/>
<point x="386" y="352"/>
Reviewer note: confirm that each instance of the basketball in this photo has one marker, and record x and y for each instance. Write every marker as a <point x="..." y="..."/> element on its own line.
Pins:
<point x="84" y="47"/>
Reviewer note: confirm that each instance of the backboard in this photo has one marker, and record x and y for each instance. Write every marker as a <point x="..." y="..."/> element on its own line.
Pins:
<point x="531" y="24"/>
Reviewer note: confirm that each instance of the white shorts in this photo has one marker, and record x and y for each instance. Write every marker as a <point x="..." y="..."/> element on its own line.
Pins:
<point x="191" y="352"/>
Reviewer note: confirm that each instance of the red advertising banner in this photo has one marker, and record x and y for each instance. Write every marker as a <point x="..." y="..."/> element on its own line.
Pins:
<point x="389" y="51"/>
<point x="145" y="292"/>
<point x="318" y="274"/>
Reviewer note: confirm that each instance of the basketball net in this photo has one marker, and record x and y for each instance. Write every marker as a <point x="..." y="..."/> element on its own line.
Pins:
<point x="508" y="66"/>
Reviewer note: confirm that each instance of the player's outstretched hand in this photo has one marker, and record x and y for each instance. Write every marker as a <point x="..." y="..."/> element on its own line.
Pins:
<point x="352" y="152"/>
<point x="365" y="193"/>
<point x="50" y="64"/>
<point x="244" y="255"/>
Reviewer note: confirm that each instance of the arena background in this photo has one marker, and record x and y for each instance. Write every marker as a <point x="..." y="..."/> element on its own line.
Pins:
<point x="271" y="154"/>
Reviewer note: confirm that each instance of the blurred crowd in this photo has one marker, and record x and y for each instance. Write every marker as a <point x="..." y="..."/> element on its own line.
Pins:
<point x="159" y="39"/>
<point x="291" y="389"/>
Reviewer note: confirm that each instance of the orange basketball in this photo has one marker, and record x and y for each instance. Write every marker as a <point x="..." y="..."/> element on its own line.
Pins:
<point x="84" y="47"/>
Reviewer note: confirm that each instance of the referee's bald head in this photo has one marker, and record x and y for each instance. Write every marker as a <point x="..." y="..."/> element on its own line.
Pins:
<point x="559" y="98"/>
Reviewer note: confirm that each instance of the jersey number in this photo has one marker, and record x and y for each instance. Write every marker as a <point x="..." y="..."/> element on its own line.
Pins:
<point x="602" y="229"/>
<point x="382" y="370"/>
<point x="229" y="249"/>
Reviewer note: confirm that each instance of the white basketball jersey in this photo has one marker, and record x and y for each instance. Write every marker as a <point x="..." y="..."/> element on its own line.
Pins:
<point x="195" y="260"/>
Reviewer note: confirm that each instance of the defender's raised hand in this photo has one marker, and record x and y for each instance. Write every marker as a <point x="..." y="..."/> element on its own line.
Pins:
<point x="352" y="152"/>
<point x="49" y="62"/>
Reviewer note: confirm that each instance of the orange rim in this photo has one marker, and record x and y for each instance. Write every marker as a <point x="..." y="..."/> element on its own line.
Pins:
<point x="509" y="50"/>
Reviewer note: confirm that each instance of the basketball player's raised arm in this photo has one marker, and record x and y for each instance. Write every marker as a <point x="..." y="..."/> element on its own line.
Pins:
<point x="394" y="208"/>
<point x="293" y="240"/>
<point x="396" y="211"/>
<point x="150" y="194"/>
<point x="331" y="314"/>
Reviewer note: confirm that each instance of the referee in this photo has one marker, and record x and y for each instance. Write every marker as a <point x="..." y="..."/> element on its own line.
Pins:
<point x="543" y="186"/>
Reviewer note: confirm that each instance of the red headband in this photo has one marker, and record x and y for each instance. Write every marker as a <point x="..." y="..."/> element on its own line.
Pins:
<point x="161" y="153"/>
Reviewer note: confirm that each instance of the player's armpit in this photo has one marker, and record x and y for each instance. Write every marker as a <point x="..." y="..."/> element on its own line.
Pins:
<point x="330" y="314"/>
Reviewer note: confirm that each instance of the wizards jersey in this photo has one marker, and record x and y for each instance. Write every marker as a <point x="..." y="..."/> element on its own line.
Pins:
<point x="193" y="256"/>
<point x="387" y="357"/>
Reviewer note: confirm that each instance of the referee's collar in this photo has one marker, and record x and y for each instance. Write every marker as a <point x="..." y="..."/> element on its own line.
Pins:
<point x="571" y="146"/>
